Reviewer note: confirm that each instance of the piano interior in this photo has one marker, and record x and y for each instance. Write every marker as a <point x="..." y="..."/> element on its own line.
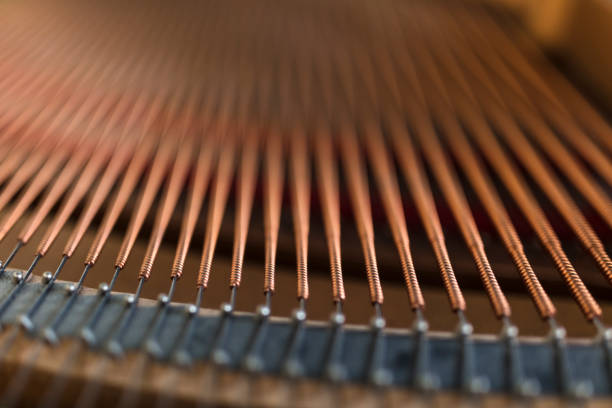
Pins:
<point x="305" y="203"/>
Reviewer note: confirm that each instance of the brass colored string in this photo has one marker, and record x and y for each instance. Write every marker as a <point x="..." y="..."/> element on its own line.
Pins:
<point x="59" y="186"/>
<point x="117" y="163"/>
<point x="567" y="163"/>
<point x="542" y="74"/>
<point x="533" y="212"/>
<point x="492" y="202"/>
<point x="155" y="177"/>
<point x="423" y="198"/>
<point x="247" y="178"/>
<point x="84" y="182"/>
<point x="544" y="136"/>
<point x="327" y="182"/>
<point x="444" y="114"/>
<point x="561" y="119"/>
<point x="479" y="129"/>
<point x="551" y="185"/>
<point x="300" y="204"/>
<point x="413" y="169"/>
<point x="388" y="188"/>
<point x="197" y="191"/>
<point x="583" y="144"/>
<point x="458" y="203"/>
<point x="182" y="163"/>
<point x="501" y="62"/>
<point x="62" y="181"/>
<point x="360" y="200"/>
<point x="586" y="115"/>
<point x="70" y="107"/>
<point x="530" y="207"/>
<point x="10" y="162"/>
<point x="24" y="172"/>
<point x="139" y="122"/>
<point x="86" y="113"/>
<point x="561" y="114"/>
<point x="128" y="184"/>
<point x="42" y="179"/>
<point x="216" y="207"/>
<point x="273" y="195"/>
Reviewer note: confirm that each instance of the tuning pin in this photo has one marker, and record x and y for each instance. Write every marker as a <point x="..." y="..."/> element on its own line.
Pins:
<point x="46" y="277"/>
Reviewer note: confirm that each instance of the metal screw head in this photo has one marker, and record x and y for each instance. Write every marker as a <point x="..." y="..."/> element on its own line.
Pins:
<point x="299" y="315"/>
<point x="478" y="385"/>
<point x="88" y="336"/>
<point x="293" y="368"/>
<point x="154" y="349"/>
<point x="377" y="323"/>
<point x="221" y="358"/>
<point x="192" y="310"/>
<point x="163" y="299"/>
<point x="559" y="333"/>
<point x="26" y="323"/>
<point x="529" y="388"/>
<point x="381" y="377"/>
<point x="129" y="300"/>
<point x="46" y="277"/>
<point x="582" y="390"/>
<point x="466" y="329"/>
<point x="263" y="311"/>
<point x="50" y="336"/>
<point x="183" y="358"/>
<point x="103" y="288"/>
<point x="253" y="364"/>
<point x="70" y="289"/>
<point x="421" y="326"/>
<point x="115" y="349"/>
<point x="510" y="331"/>
<point x="427" y="382"/>
<point x="226" y="308"/>
<point x="336" y="373"/>
<point x="337" y="319"/>
<point x="17" y="276"/>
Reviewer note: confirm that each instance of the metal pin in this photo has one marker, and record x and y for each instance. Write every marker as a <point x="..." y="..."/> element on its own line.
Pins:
<point x="290" y="364"/>
<point x="517" y="384"/>
<point x="423" y="379"/>
<point x="376" y="373"/>
<point x="566" y="383"/>
<point x="332" y="366"/>
<point x="73" y="291"/>
<point x="196" y="196"/>
<point x="8" y="301"/>
<point x="468" y="381"/>
<point x="153" y="346"/>
<point x="11" y="256"/>
<point x="252" y="359"/>
<point x="216" y="352"/>
<point x="183" y="354"/>
<point x="26" y="320"/>
<point x="88" y="330"/>
<point x="360" y="199"/>
<point x="604" y="336"/>
<point x="115" y="345"/>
